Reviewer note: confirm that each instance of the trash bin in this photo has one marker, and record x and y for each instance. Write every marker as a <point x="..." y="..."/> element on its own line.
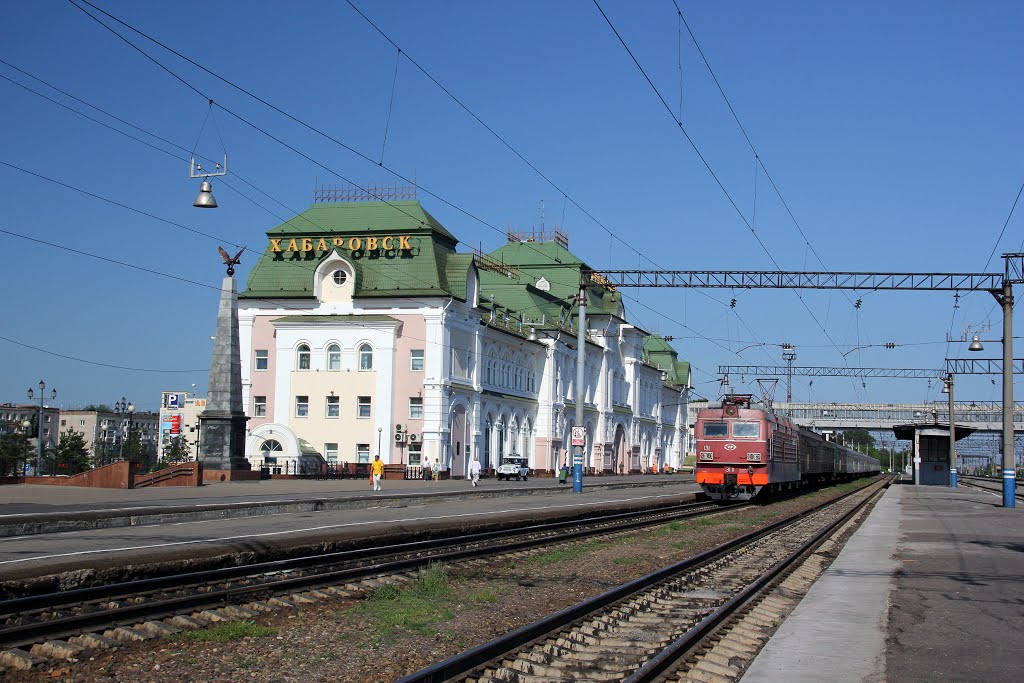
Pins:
<point x="563" y="474"/>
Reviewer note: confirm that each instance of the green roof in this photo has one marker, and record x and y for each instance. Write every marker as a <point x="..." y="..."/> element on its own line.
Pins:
<point x="429" y="267"/>
<point x="661" y="354"/>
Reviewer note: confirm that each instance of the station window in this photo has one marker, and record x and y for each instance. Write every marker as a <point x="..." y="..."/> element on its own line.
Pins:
<point x="363" y="406"/>
<point x="331" y="452"/>
<point x="416" y="359"/>
<point x="334" y="357"/>
<point x="303" y="363"/>
<point x="302" y="406"/>
<point x="333" y="406"/>
<point x="259" y="406"/>
<point x="362" y="452"/>
<point x="415" y="408"/>
<point x="262" y="359"/>
<point x="415" y="451"/>
<point x="366" y="357"/>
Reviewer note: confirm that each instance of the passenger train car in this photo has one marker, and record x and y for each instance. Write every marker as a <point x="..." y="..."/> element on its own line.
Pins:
<point x="743" y="451"/>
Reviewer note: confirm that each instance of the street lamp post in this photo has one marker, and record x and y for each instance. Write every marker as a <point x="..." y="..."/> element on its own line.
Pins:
<point x="121" y="407"/>
<point x="104" y="426"/>
<point x="952" y="432"/>
<point x="42" y="396"/>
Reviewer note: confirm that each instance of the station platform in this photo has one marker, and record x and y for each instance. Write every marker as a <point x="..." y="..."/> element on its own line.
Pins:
<point x="929" y="588"/>
<point x="27" y="509"/>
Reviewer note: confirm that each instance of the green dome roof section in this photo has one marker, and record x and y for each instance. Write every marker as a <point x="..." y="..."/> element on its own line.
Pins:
<point x="396" y="248"/>
<point x="661" y="355"/>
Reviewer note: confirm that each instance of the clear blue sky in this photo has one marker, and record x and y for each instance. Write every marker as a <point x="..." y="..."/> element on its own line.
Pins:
<point x="892" y="129"/>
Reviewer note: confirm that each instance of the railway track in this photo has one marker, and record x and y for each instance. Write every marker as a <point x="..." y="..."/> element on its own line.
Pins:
<point x="668" y="625"/>
<point x="61" y="624"/>
<point x="990" y="484"/>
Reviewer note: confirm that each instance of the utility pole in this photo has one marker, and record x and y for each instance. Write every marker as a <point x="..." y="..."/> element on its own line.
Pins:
<point x="789" y="355"/>
<point x="952" y="433"/>
<point x="581" y="359"/>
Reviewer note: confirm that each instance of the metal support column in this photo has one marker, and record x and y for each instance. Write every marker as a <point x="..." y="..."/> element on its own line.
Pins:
<point x="952" y="434"/>
<point x="1009" y="460"/>
<point x="581" y="359"/>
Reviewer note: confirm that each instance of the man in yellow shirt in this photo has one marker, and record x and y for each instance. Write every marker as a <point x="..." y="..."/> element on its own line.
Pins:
<point x="377" y="469"/>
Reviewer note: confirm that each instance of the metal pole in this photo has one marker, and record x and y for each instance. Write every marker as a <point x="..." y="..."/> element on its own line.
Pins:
<point x="39" y="450"/>
<point x="952" y="435"/>
<point x="1009" y="460"/>
<point x="581" y="359"/>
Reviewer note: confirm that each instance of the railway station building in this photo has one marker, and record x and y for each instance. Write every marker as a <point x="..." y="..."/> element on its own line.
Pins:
<point x="365" y="331"/>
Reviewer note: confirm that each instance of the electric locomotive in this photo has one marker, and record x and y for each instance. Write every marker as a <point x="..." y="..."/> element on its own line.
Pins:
<point x="743" y="451"/>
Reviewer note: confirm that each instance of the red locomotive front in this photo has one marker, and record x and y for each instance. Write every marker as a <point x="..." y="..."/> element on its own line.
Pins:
<point x="732" y="449"/>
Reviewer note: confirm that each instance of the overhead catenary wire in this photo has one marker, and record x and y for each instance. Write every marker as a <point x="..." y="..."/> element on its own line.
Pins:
<point x="291" y="117"/>
<point x="711" y="171"/>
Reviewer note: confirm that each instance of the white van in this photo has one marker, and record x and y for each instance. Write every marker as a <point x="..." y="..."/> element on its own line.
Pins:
<point x="513" y="466"/>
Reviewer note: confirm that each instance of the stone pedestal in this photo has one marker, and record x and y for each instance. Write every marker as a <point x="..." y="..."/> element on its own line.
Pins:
<point x="222" y="424"/>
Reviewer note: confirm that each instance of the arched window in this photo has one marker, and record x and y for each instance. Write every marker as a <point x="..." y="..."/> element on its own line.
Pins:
<point x="334" y="354"/>
<point x="303" y="357"/>
<point x="366" y="357"/>
<point x="270" y="447"/>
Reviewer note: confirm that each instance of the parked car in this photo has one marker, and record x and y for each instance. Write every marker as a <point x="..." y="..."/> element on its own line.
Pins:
<point x="513" y="466"/>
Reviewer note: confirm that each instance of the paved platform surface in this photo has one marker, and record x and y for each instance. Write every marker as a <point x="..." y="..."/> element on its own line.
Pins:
<point x="27" y="509"/>
<point x="930" y="588"/>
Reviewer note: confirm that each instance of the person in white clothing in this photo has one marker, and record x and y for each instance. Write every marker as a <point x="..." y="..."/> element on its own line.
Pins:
<point x="474" y="471"/>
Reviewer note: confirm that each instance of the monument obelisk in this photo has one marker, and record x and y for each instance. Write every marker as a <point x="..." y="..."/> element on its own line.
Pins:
<point x="222" y="424"/>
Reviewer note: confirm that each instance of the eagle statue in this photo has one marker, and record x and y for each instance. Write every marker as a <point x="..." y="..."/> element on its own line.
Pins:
<point x="230" y="261"/>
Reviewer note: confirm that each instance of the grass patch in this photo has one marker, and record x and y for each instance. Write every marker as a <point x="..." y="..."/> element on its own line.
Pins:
<point x="626" y="561"/>
<point x="484" y="595"/>
<point x="227" y="632"/>
<point x="416" y="608"/>
<point x="564" y="554"/>
<point x="683" y="545"/>
<point x="247" y="662"/>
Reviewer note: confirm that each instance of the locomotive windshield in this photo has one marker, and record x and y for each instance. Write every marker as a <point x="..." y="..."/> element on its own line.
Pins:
<point x="745" y="429"/>
<point x="716" y="429"/>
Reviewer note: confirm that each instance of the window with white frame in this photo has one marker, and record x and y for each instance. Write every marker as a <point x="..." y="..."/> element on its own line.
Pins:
<point x="302" y="406"/>
<point x="259" y="406"/>
<point x="366" y="357"/>
<point x="262" y="359"/>
<point x="416" y="408"/>
<point x="415" y="454"/>
<point x="333" y="406"/>
<point x="303" y="357"/>
<point x="331" y="452"/>
<point x="416" y="359"/>
<point x="362" y="452"/>
<point x="363" y="406"/>
<point x="334" y="358"/>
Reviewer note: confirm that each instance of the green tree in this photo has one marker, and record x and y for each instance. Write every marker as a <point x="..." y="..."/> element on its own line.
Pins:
<point x="136" y="450"/>
<point x="71" y="455"/>
<point x="15" y="449"/>
<point x="858" y="438"/>
<point x="177" y="450"/>
<point x="98" y="407"/>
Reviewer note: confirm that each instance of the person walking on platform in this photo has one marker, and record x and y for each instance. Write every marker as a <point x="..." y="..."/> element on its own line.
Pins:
<point x="427" y="472"/>
<point x="437" y="470"/>
<point x="377" y="471"/>
<point x="474" y="471"/>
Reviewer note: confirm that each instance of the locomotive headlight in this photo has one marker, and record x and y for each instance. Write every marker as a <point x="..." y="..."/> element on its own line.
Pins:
<point x="753" y="457"/>
<point x="707" y="456"/>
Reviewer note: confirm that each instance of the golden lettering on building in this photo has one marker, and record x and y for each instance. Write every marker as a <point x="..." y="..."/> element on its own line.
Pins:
<point x="386" y="243"/>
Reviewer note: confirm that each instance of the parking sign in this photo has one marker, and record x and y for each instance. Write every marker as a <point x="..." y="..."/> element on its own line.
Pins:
<point x="579" y="436"/>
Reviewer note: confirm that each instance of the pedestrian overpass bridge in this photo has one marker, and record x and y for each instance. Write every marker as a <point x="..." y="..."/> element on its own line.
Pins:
<point x="982" y="417"/>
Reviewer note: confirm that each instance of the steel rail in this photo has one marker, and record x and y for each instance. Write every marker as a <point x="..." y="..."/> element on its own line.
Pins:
<point x="466" y="662"/>
<point x="423" y="553"/>
<point x="689" y="641"/>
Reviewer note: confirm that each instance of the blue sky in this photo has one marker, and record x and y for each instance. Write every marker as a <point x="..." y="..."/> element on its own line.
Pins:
<point x="891" y="129"/>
